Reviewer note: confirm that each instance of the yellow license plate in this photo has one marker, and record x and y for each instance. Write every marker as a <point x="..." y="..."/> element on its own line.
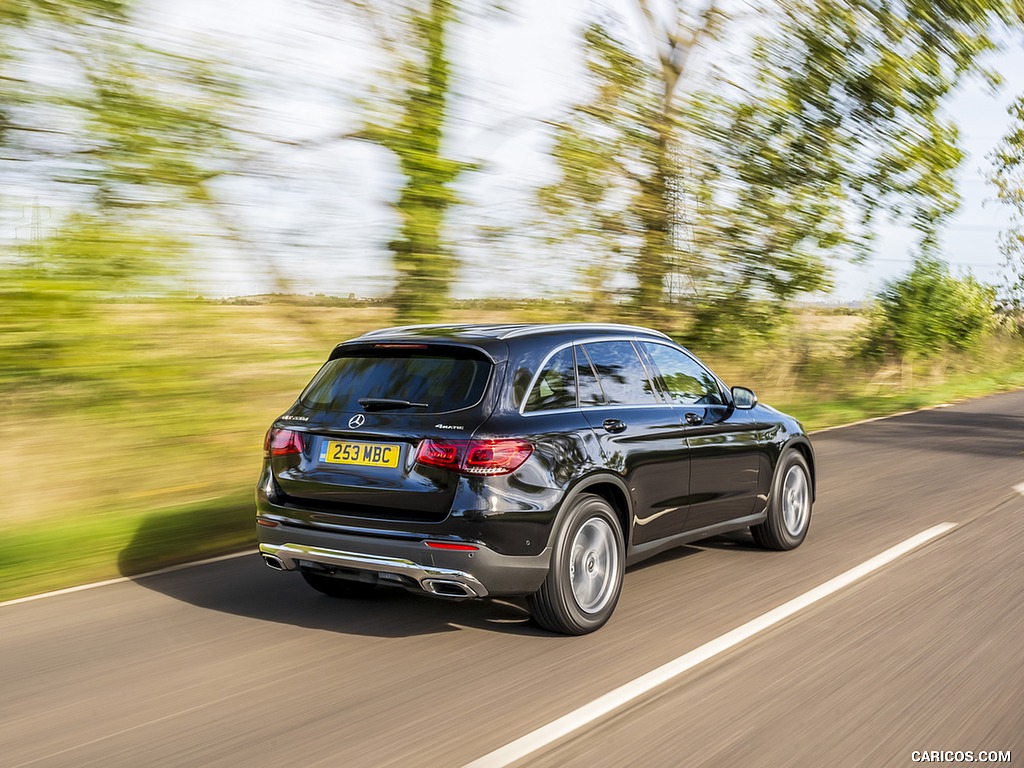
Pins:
<point x="360" y="454"/>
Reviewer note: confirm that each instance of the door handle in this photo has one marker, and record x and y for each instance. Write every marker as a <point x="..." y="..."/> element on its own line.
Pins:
<point x="614" y="426"/>
<point x="694" y="419"/>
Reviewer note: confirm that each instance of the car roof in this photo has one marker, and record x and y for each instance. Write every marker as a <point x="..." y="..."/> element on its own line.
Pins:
<point x="479" y="331"/>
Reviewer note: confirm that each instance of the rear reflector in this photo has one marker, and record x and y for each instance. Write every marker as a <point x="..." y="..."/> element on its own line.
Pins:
<point x="268" y="523"/>
<point x="282" y="442"/>
<point x="475" y="457"/>
<point x="450" y="545"/>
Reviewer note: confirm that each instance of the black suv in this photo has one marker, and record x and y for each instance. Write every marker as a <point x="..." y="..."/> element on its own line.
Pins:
<point x="539" y="460"/>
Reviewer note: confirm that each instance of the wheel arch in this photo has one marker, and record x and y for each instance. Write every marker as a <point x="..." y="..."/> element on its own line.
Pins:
<point x="803" y="447"/>
<point x="609" y="487"/>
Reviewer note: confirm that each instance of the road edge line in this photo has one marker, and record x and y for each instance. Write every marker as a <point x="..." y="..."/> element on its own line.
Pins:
<point x="122" y="579"/>
<point x="881" y="418"/>
<point x="563" y="726"/>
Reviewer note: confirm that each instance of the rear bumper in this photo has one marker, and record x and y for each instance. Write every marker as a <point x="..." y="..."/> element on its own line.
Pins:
<point x="407" y="563"/>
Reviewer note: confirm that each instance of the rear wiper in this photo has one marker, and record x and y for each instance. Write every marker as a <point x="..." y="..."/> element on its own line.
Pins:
<point x="387" y="403"/>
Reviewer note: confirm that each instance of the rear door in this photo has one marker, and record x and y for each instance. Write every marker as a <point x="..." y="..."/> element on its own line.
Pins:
<point x="722" y="440"/>
<point x="640" y="434"/>
<point x="362" y="419"/>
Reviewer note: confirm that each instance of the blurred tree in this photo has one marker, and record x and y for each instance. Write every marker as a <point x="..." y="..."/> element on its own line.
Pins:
<point x="408" y="116"/>
<point x="122" y="137"/>
<point x="929" y="312"/>
<point x="618" y="151"/>
<point x="20" y="19"/>
<point x="1008" y="177"/>
<point x="155" y="131"/>
<point x="746" y="181"/>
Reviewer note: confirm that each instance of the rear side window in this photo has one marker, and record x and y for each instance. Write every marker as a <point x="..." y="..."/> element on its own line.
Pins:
<point x="440" y="381"/>
<point x="556" y="386"/>
<point x="623" y="377"/>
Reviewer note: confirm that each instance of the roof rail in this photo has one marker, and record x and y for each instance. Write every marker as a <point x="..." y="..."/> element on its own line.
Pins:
<point x="512" y="330"/>
<point x="525" y="331"/>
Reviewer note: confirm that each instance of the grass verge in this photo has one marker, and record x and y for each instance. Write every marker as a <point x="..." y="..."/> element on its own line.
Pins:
<point x="44" y="557"/>
<point x="819" y="414"/>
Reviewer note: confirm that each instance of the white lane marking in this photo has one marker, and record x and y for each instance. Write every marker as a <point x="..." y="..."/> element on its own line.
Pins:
<point x="122" y="579"/>
<point x="881" y="418"/>
<point x="1019" y="488"/>
<point x="563" y="726"/>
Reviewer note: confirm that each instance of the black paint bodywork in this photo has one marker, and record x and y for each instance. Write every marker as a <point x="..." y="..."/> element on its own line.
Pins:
<point x="669" y="480"/>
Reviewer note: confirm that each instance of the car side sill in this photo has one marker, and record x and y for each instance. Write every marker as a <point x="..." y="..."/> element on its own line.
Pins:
<point x="652" y="548"/>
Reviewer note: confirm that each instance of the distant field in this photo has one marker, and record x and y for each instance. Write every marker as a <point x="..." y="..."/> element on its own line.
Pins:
<point x="144" y="450"/>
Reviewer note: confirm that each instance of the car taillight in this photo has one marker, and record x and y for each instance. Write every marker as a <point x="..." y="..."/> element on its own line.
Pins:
<point x="496" y="457"/>
<point x="435" y="453"/>
<point x="475" y="457"/>
<point x="282" y="442"/>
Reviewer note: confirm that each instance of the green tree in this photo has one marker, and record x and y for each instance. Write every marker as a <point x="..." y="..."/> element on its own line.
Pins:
<point x="425" y="263"/>
<point x="618" y="151"/>
<point x="123" y="144"/>
<point x="928" y="312"/>
<point x="408" y="114"/>
<point x="1008" y="178"/>
<point x="129" y="135"/>
<point x="748" y="181"/>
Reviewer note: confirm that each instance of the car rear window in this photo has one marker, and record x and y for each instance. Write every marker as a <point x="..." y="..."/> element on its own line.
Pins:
<point x="442" y="380"/>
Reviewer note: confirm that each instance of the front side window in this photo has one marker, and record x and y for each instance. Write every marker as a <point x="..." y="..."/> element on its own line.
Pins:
<point x="687" y="381"/>
<point x="622" y="375"/>
<point x="556" y="386"/>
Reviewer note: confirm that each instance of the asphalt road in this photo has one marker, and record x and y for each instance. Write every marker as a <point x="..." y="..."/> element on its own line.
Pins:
<point x="232" y="664"/>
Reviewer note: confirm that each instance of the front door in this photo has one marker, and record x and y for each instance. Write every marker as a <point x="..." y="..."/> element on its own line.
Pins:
<point x="641" y="436"/>
<point x="722" y="440"/>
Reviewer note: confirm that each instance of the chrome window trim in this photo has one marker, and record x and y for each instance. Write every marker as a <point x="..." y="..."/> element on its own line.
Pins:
<point x="582" y="408"/>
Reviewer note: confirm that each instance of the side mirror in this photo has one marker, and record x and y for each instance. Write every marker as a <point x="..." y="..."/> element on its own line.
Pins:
<point x="743" y="398"/>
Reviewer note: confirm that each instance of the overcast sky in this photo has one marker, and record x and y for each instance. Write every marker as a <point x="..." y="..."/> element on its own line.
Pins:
<point x="332" y="221"/>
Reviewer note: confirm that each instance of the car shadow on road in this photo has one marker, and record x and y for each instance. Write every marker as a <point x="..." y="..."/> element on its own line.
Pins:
<point x="740" y="541"/>
<point x="245" y="586"/>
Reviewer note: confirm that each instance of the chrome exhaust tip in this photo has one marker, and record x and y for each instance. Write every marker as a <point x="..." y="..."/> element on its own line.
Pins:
<point x="274" y="562"/>
<point x="446" y="588"/>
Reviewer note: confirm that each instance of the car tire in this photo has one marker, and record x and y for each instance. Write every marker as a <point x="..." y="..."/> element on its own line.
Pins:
<point x="585" y="579"/>
<point x="789" y="505"/>
<point x="337" y="587"/>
